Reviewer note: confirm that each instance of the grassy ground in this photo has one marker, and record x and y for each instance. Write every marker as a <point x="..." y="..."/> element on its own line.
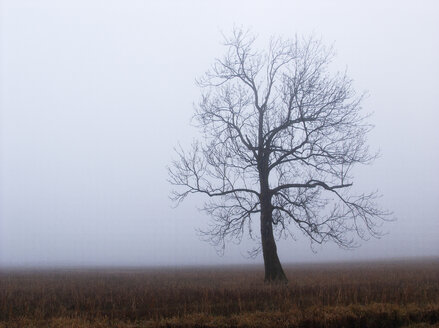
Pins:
<point x="393" y="294"/>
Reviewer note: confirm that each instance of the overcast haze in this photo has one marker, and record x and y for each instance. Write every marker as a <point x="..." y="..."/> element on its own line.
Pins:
<point x="94" y="95"/>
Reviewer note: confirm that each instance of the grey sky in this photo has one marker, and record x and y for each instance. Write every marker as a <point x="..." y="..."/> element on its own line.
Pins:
<point x="94" y="95"/>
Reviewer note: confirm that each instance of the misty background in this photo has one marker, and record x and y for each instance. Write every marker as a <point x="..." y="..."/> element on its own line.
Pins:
<point x="94" y="95"/>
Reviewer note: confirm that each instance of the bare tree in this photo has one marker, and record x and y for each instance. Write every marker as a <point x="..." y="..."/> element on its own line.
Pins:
<point x="281" y="135"/>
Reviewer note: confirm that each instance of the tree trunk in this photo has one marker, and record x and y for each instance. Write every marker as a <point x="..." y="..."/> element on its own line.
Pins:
<point x="273" y="268"/>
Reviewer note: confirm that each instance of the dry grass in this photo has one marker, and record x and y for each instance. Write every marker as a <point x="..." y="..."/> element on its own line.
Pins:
<point x="395" y="294"/>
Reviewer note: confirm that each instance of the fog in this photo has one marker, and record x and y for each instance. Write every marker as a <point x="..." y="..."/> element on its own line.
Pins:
<point x="94" y="95"/>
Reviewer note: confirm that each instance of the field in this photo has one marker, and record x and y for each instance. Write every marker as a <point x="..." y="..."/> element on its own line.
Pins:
<point x="370" y="294"/>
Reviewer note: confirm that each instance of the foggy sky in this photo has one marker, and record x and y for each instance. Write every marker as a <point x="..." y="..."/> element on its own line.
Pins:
<point x="94" y="95"/>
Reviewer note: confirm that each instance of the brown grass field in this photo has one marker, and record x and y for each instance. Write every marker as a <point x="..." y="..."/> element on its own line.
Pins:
<point x="370" y="294"/>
